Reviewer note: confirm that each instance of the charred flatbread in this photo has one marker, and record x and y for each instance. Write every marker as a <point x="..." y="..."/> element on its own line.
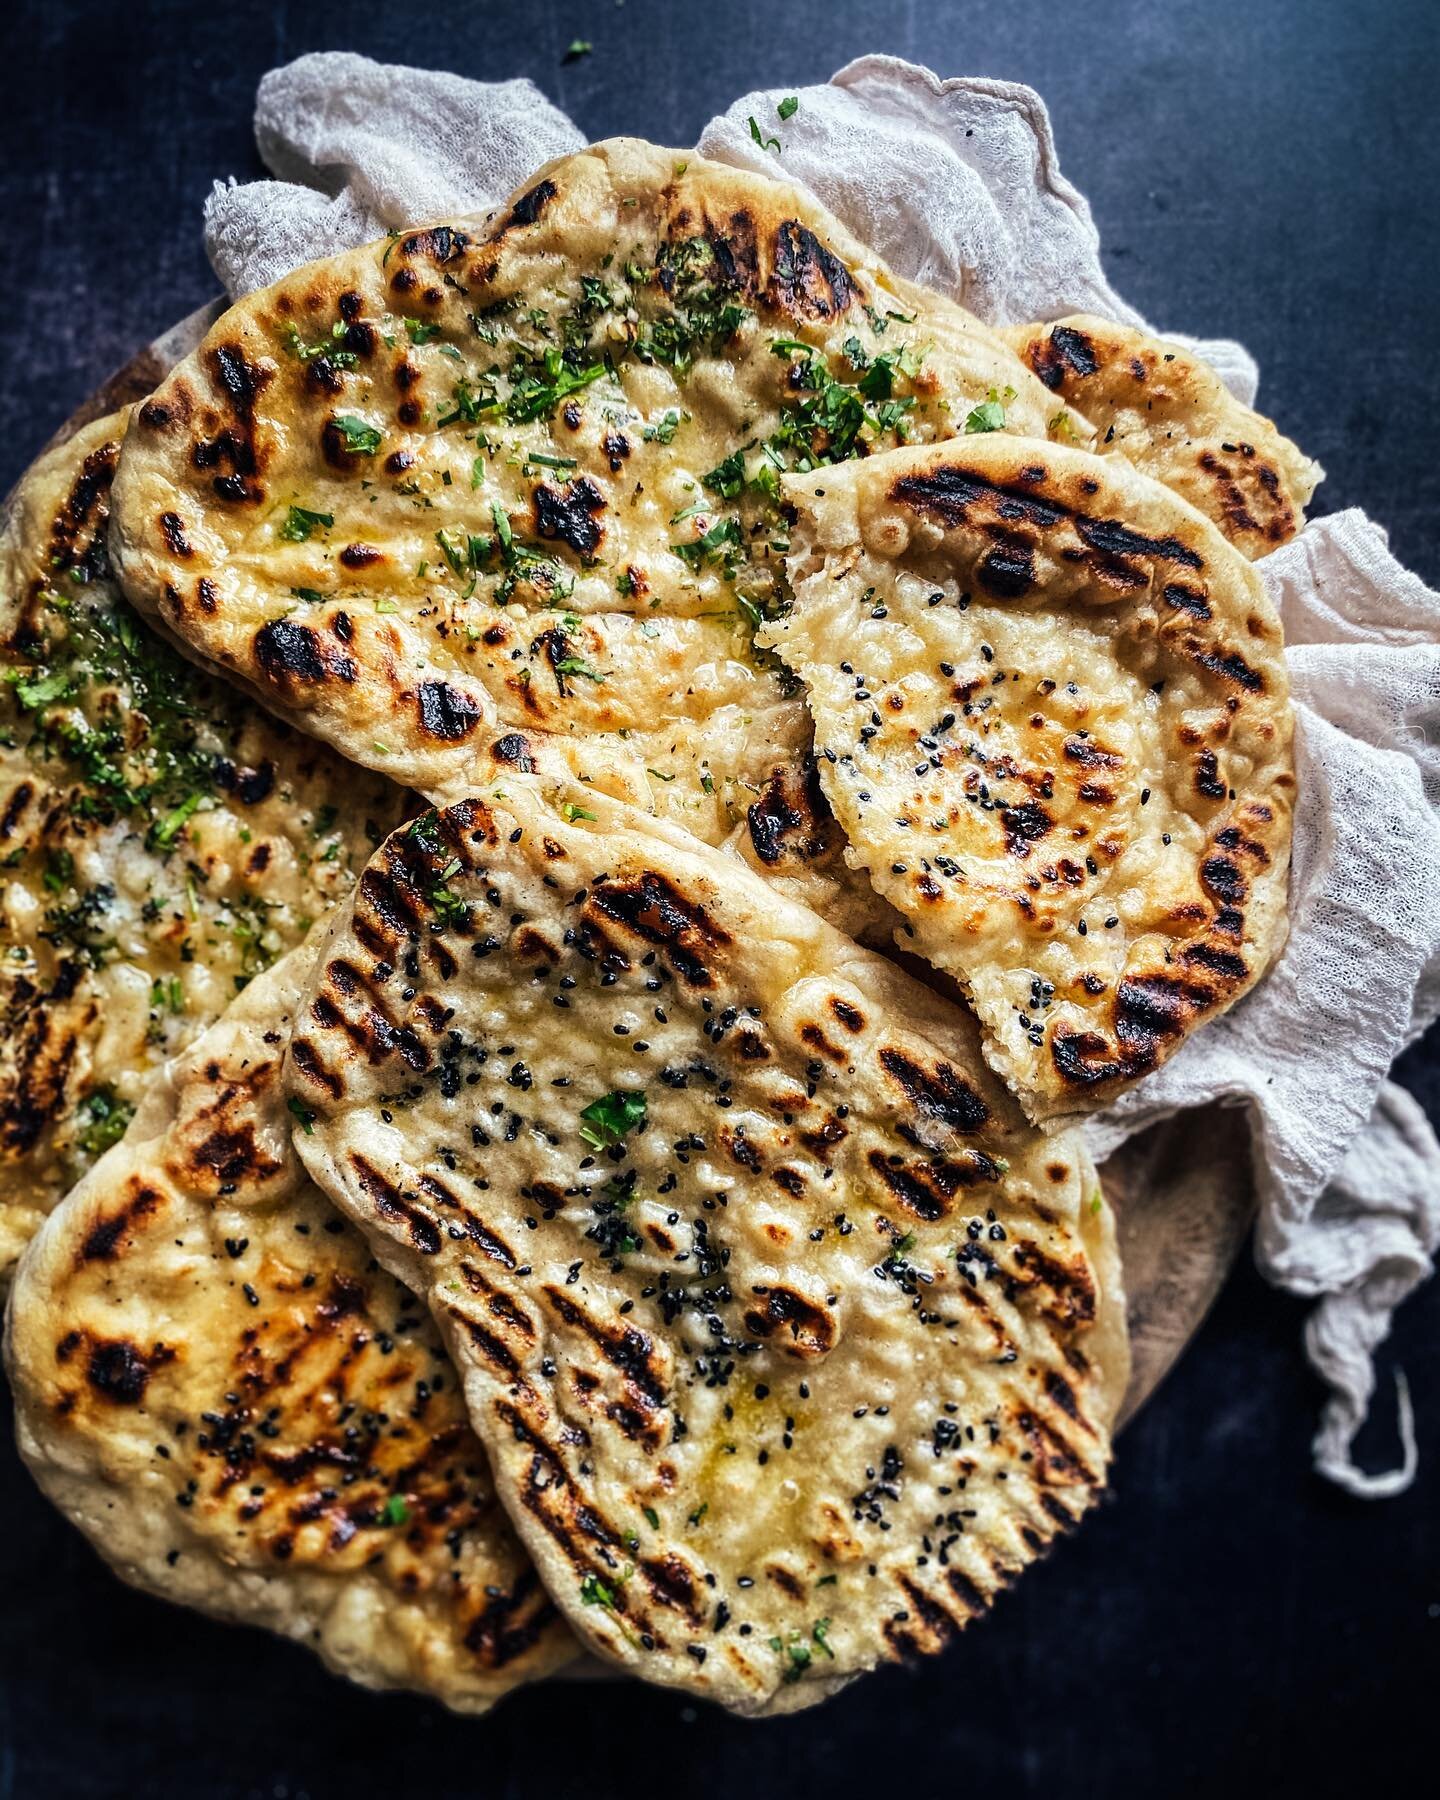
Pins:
<point x="1053" y="722"/>
<point x="789" y="1339"/>
<point x="162" y="839"/>
<point x="1166" y="411"/>
<point x="217" y="1384"/>
<point x="522" y="473"/>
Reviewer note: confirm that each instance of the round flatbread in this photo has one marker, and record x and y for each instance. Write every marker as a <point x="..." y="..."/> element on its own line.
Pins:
<point x="1054" y="725"/>
<point x="162" y="840"/>
<point x="242" y="1412"/>
<point x="789" y="1340"/>
<point x="523" y="472"/>
<point x="1169" y="414"/>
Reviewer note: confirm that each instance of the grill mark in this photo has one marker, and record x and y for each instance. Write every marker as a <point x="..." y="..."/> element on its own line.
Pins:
<point x="528" y="208"/>
<point x="391" y="1204"/>
<point x="1024" y="826"/>
<point x="172" y="528"/>
<point x="445" y="712"/>
<point x="1091" y="755"/>
<point x="939" y="1093"/>
<point x="940" y="1624"/>
<point x="287" y="652"/>
<point x="808" y="280"/>
<point x="15" y="809"/>
<point x="306" y="1058"/>
<point x="510" y="1623"/>
<point x="806" y="1330"/>
<point x="951" y="492"/>
<point x="1007" y="570"/>
<point x="926" y="1189"/>
<point x="1064" y="349"/>
<point x="121" y="1371"/>
<point x="105" y="1238"/>
<point x="791" y="821"/>
<point x="514" y="750"/>
<point x="569" y="514"/>
<point x="628" y="1351"/>
<point x="1229" y="665"/>
<point x="656" y="910"/>
<point x="490" y="1349"/>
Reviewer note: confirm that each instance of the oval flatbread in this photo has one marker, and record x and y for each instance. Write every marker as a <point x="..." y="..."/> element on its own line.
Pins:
<point x="241" y="1412"/>
<point x="1053" y="722"/>
<point x="1169" y="414"/>
<point x="161" y="839"/>
<point x="523" y="472"/>
<point x="789" y="1340"/>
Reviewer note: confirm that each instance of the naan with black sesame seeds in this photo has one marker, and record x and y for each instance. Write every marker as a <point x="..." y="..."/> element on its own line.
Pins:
<point x="521" y="472"/>
<point x="161" y="839"/>
<point x="242" y="1413"/>
<point x="1168" y="413"/>
<point x="1053" y="721"/>
<point x="790" y="1341"/>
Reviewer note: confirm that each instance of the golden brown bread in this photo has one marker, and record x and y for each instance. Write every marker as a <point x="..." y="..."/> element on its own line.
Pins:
<point x="1053" y="721"/>
<point x="789" y="1340"/>
<point x="242" y="1412"/>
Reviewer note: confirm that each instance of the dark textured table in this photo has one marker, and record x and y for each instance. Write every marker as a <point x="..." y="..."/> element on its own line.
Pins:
<point x="1228" y="1623"/>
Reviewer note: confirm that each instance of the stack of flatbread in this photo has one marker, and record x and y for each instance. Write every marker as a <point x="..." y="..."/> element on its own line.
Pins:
<point x="587" y="797"/>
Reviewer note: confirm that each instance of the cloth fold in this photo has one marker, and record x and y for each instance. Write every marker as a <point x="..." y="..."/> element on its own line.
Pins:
<point x="958" y="184"/>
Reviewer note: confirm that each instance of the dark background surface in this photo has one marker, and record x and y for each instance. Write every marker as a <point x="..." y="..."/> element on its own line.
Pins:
<point x="1228" y="1624"/>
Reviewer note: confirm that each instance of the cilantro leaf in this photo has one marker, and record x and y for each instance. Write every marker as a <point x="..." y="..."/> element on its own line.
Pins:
<point x="360" y="438"/>
<point x="611" y="1117"/>
<point x="300" y="522"/>
<point x="760" y="138"/>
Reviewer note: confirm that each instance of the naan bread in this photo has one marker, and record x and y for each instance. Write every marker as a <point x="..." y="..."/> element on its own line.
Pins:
<point x="522" y="472"/>
<point x="789" y="1341"/>
<point x="1054" y="724"/>
<point x="241" y="1412"/>
<point x="161" y="839"/>
<point x="1169" y="414"/>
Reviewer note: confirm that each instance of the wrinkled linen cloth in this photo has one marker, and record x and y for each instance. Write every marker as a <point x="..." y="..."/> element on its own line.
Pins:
<point x="958" y="185"/>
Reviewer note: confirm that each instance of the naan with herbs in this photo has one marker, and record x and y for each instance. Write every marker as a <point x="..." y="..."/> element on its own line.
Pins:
<point x="162" y="840"/>
<point x="522" y="472"/>
<point x="1053" y="721"/>
<point x="789" y="1340"/>
<point x="1169" y="414"/>
<point x="217" y="1384"/>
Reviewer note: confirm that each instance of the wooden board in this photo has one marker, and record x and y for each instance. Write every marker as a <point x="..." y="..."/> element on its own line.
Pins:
<point x="1183" y="1191"/>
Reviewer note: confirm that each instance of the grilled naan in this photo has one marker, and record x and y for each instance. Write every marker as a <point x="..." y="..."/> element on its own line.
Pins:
<point x="789" y="1340"/>
<point x="161" y="839"/>
<point x="1169" y="414"/>
<point x="242" y="1412"/>
<point x="1053" y="721"/>
<point x="522" y="472"/>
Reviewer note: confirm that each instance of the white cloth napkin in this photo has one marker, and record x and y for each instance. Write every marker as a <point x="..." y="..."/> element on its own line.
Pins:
<point x="958" y="184"/>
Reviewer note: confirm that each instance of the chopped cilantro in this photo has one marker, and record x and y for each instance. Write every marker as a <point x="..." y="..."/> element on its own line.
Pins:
<point x="300" y="522"/>
<point x="662" y="431"/>
<point x="727" y="478"/>
<point x="593" y="1592"/>
<point x="611" y="1117"/>
<point x="101" y="1118"/>
<point x="360" y="439"/>
<point x="303" y="1114"/>
<point x="789" y="106"/>
<point x="990" y="414"/>
<point x="419" y="332"/>
<point x="771" y="143"/>
<point x="163" y="833"/>
<point x="395" y="1511"/>
<point x="578" y="47"/>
